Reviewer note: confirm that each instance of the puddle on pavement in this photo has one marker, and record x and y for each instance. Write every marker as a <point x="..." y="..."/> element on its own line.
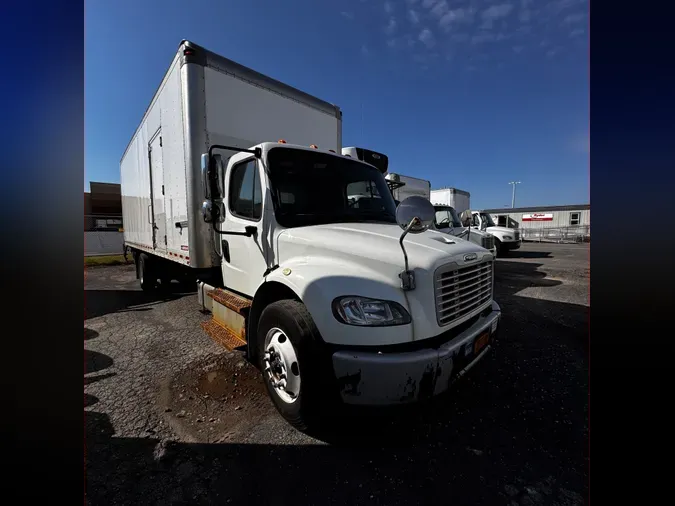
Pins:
<point x="218" y="398"/>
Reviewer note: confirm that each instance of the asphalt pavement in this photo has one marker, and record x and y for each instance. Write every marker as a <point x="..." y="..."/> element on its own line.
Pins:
<point x="172" y="418"/>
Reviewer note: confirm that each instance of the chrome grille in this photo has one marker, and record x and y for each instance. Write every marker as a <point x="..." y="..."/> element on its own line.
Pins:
<point x="488" y="241"/>
<point x="460" y="291"/>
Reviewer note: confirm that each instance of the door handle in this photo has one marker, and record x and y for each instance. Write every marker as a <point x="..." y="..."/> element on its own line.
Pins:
<point x="149" y="214"/>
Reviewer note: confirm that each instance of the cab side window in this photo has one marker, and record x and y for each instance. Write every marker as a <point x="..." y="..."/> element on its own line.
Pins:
<point x="245" y="192"/>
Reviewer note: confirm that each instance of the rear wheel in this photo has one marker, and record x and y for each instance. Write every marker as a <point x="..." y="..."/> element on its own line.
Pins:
<point x="146" y="273"/>
<point x="288" y="359"/>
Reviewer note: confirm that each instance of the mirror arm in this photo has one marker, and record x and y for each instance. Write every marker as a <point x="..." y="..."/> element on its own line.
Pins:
<point x="249" y="231"/>
<point x="407" y="276"/>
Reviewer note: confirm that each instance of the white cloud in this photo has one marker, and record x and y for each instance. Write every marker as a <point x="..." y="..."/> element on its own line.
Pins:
<point x="388" y="7"/>
<point x="391" y="42"/>
<point x="347" y="14"/>
<point x="453" y="16"/>
<point x="497" y="11"/>
<point x="440" y="8"/>
<point x="411" y="2"/>
<point x="427" y="38"/>
<point x="391" y="26"/>
<point x="518" y="49"/>
<point x="428" y="3"/>
<point x="413" y="16"/>
<point x="577" y="32"/>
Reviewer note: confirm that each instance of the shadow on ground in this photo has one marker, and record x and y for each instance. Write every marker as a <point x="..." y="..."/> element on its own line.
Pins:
<point x="102" y="302"/>
<point x="516" y="253"/>
<point x="513" y="431"/>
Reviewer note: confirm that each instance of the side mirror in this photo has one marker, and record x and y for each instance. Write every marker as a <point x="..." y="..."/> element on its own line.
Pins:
<point x="415" y="215"/>
<point x="212" y="176"/>
<point x="417" y="208"/>
<point x="213" y="211"/>
<point x="466" y="218"/>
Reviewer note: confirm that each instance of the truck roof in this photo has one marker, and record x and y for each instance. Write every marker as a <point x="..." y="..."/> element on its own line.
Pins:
<point x="204" y="57"/>
<point x="210" y="59"/>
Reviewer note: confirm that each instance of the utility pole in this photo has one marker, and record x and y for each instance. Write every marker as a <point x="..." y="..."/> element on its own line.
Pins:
<point x="513" y="196"/>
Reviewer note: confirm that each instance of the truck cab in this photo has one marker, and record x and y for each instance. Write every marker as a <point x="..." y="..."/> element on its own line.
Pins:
<point x="447" y="221"/>
<point x="506" y="239"/>
<point x="367" y="302"/>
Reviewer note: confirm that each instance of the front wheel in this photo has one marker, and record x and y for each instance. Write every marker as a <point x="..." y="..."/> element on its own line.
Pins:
<point x="288" y="357"/>
<point x="499" y="248"/>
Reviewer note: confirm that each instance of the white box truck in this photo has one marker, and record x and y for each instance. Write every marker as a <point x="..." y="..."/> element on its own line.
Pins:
<point x="459" y="200"/>
<point x="410" y="186"/>
<point x="331" y="299"/>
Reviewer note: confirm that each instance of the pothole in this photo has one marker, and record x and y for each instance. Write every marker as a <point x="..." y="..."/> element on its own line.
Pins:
<point x="217" y="399"/>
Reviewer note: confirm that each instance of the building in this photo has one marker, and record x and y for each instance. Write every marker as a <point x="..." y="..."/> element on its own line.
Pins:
<point x="103" y="206"/>
<point x="546" y="222"/>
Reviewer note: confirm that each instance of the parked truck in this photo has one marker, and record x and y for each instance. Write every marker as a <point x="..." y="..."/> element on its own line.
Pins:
<point x="459" y="200"/>
<point x="506" y="239"/>
<point x="239" y="181"/>
<point x="446" y="219"/>
<point x="410" y="186"/>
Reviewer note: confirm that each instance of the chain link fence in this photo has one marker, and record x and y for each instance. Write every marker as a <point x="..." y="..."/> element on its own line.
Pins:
<point x="568" y="234"/>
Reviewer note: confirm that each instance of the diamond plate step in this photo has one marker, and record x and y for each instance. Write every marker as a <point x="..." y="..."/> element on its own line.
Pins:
<point x="232" y="301"/>
<point x="222" y="335"/>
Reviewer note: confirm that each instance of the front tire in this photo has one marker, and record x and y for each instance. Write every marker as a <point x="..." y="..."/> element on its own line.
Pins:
<point x="286" y="344"/>
<point x="499" y="248"/>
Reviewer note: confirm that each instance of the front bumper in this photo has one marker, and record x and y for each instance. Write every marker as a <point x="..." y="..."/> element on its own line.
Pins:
<point x="379" y="379"/>
<point x="511" y="244"/>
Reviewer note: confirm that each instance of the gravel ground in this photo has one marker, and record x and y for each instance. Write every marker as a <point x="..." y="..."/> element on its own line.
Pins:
<point x="172" y="418"/>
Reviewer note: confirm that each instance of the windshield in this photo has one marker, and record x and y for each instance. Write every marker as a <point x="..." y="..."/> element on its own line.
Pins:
<point x="445" y="217"/>
<point x="312" y="188"/>
<point x="487" y="219"/>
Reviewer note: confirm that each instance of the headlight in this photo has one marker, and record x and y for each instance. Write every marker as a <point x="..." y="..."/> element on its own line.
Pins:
<point x="508" y="237"/>
<point x="363" y="311"/>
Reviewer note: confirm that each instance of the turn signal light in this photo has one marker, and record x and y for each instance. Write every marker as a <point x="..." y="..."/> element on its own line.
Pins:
<point x="281" y="141"/>
<point x="314" y="146"/>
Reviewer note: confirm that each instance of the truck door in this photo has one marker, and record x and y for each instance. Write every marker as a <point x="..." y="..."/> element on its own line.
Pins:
<point x="157" y="192"/>
<point x="243" y="258"/>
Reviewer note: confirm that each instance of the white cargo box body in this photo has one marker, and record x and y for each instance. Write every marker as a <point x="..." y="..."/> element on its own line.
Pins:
<point x="413" y="186"/>
<point x="205" y="99"/>
<point x="459" y="199"/>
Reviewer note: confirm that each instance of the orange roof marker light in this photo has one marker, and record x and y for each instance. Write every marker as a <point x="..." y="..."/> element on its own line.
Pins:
<point x="314" y="146"/>
<point x="281" y="141"/>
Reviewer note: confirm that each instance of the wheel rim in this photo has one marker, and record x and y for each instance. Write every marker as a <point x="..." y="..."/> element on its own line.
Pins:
<point x="281" y="366"/>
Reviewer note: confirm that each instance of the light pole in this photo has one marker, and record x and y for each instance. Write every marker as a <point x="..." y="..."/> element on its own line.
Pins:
<point x="513" y="196"/>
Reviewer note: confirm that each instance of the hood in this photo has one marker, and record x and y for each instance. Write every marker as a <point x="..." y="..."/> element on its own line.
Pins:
<point x="374" y="245"/>
<point x="501" y="230"/>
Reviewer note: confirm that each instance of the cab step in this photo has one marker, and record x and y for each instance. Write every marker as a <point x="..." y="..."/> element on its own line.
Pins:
<point x="227" y="326"/>
<point x="221" y="335"/>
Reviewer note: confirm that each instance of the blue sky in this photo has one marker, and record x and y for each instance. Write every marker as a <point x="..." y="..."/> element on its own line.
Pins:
<point x="466" y="93"/>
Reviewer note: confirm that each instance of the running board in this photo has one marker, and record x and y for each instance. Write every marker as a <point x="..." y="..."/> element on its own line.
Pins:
<point x="227" y="326"/>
